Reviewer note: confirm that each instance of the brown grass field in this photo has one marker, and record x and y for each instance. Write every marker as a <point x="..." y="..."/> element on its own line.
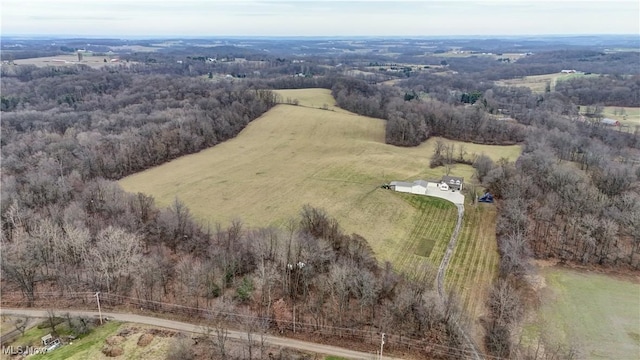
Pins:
<point x="537" y="83"/>
<point x="314" y="98"/>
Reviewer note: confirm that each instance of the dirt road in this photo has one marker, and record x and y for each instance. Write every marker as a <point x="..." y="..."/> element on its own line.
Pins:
<point x="186" y="327"/>
<point x="442" y="269"/>
<point x="447" y="255"/>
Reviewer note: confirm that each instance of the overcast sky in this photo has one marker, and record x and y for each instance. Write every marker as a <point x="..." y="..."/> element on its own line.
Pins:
<point x="317" y="17"/>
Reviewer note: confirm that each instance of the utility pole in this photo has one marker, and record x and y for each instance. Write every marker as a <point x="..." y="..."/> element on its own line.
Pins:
<point x="381" y="345"/>
<point x="97" y="295"/>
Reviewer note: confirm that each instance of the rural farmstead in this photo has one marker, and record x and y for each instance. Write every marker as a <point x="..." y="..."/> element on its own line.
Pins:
<point x="448" y="188"/>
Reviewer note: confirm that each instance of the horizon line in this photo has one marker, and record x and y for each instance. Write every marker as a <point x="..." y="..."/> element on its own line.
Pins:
<point x="203" y="36"/>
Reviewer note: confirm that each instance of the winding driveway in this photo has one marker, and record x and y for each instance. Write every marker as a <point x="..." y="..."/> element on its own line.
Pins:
<point x="447" y="255"/>
<point x="442" y="270"/>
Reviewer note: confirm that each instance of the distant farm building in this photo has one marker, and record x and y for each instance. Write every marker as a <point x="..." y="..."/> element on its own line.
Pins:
<point x="453" y="182"/>
<point x="568" y="71"/>
<point x="610" y="122"/>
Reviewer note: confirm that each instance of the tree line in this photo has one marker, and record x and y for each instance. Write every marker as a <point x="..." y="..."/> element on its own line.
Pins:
<point x="605" y="90"/>
<point x="409" y="123"/>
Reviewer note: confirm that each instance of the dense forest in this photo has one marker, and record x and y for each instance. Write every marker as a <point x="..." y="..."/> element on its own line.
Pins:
<point x="549" y="62"/>
<point x="605" y="90"/>
<point x="73" y="118"/>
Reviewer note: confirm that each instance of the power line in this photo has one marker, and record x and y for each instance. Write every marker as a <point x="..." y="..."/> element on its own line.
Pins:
<point x="444" y="349"/>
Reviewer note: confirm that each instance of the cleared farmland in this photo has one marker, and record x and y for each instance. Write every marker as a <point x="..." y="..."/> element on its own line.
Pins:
<point x="596" y="314"/>
<point x="296" y="155"/>
<point x="538" y="83"/>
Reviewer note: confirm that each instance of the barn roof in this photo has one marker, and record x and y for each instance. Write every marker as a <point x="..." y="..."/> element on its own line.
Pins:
<point x="421" y="183"/>
<point x="401" y="183"/>
<point x="608" y="121"/>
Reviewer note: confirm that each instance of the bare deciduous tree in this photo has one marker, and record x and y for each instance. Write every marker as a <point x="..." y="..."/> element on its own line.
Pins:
<point x="282" y="315"/>
<point x="20" y="264"/>
<point x="20" y="323"/>
<point x="114" y="258"/>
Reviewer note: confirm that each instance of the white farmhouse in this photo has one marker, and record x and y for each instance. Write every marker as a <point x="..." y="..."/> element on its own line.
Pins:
<point x="453" y="182"/>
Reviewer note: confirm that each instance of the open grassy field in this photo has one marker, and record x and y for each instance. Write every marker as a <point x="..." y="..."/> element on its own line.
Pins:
<point x="67" y="60"/>
<point x="474" y="264"/>
<point x="296" y="155"/>
<point x="315" y="98"/>
<point x="538" y="83"/>
<point x="598" y="314"/>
